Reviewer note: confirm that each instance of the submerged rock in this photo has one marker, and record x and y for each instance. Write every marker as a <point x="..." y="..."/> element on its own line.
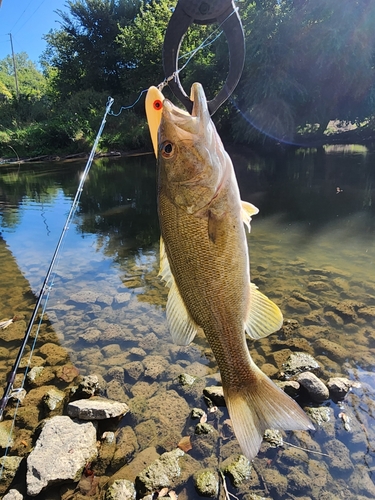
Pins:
<point x="88" y="386"/>
<point x="206" y="482"/>
<point x="9" y="466"/>
<point x="204" y="441"/>
<point x="121" y="489"/>
<point x="238" y="468"/>
<point x="314" y="386"/>
<point x="105" y="453"/>
<point x="298" y="306"/>
<point x="6" y="434"/>
<point x="347" y="310"/>
<point x="339" y="387"/>
<point x="160" y="474"/>
<point x="273" y="437"/>
<point x="53" y="400"/>
<point x="134" y="370"/>
<point x="54" y="354"/>
<point x="13" y="495"/>
<point x="40" y="375"/>
<point x="277" y="484"/>
<point x="361" y="482"/>
<point x="126" y="446"/>
<point x="339" y="458"/>
<point x="215" y="394"/>
<point x="300" y="362"/>
<point x="318" y="286"/>
<point x="190" y="387"/>
<point x="60" y="438"/>
<point x="331" y="349"/>
<point x="293" y="457"/>
<point x="322" y="416"/>
<point x="96" y="409"/>
<point x="318" y="474"/>
<point x="298" y="481"/>
<point x="90" y="335"/>
<point x="290" y="387"/>
<point x="155" y="366"/>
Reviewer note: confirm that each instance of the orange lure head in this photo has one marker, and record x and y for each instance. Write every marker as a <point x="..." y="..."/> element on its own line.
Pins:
<point x="154" y="107"/>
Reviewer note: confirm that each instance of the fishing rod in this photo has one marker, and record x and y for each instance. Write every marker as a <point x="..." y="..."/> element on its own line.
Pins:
<point x="9" y="390"/>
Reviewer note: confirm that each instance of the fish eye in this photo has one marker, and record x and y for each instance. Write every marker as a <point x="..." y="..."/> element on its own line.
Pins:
<point x="167" y="149"/>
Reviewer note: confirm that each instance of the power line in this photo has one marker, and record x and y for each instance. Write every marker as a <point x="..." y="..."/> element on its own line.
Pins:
<point x="15" y="24"/>
<point x="27" y="20"/>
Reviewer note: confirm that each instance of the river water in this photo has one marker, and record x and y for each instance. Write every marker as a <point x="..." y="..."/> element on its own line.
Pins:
<point x="312" y="251"/>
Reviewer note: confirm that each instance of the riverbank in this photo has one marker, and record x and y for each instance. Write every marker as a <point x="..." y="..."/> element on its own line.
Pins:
<point x="338" y="134"/>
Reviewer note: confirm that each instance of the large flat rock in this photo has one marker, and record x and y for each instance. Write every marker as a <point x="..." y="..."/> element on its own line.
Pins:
<point x="60" y="454"/>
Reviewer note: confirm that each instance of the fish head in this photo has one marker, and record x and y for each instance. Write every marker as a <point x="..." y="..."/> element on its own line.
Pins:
<point x="191" y="157"/>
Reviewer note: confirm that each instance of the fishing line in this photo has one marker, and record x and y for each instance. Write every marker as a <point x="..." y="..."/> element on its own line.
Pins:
<point x="130" y="106"/>
<point x="206" y="43"/>
<point x="46" y="287"/>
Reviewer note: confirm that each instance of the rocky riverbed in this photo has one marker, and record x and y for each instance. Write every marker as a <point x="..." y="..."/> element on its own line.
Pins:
<point x="113" y="410"/>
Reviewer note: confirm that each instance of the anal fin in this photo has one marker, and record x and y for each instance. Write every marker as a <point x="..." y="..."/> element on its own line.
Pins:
<point x="263" y="317"/>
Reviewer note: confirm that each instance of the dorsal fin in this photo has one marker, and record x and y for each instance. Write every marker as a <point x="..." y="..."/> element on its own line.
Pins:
<point x="247" y="210"/>
<point x="264" y="317"/>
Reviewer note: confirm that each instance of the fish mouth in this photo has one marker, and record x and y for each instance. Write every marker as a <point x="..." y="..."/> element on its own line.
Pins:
<point x="197" y="95"/>
<point x="193" y="123"/>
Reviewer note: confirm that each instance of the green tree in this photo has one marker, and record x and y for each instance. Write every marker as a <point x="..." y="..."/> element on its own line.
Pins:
<point x="308" y="62"/>
<point x="84" y="53"/>
<point x="142" y="41"/>
<point x="31" y="81"/>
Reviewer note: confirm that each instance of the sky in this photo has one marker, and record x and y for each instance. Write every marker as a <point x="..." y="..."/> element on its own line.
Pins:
<point x="28" y="21"/>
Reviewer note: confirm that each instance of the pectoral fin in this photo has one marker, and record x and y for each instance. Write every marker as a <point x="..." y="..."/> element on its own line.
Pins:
<point x="213" y="226"/>
<point x="264" y="317"/>
<point x="247" y="211"/>
<point x="181" y="326"/>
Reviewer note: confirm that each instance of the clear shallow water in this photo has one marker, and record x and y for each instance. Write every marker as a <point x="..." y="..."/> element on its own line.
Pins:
<point x="107" y="302"/>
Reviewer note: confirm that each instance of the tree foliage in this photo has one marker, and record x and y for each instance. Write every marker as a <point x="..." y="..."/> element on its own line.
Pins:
<point x="84" y="52"/>
<point x="307" y="62"/>
<point x="31" y="81"/>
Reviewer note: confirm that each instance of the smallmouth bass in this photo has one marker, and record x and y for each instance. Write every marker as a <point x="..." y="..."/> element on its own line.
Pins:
<point x="205" y="262"/>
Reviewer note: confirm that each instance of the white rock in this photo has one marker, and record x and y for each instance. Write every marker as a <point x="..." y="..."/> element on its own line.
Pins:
<point x="96" y="409"/>
<point x="122" y="489"/>
<point x="13" y="495"/>
<point x="61" y="452"/>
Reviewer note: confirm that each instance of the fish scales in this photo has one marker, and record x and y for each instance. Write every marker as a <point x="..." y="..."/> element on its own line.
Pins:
<point x="210" y="280"/>
<point x="205" y="262"/>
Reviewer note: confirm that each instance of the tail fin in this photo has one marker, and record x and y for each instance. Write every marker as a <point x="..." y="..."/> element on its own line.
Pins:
<point x="259" y="406"/>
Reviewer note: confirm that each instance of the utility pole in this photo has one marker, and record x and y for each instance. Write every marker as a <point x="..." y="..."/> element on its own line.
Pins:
<point x="14" y="65"/>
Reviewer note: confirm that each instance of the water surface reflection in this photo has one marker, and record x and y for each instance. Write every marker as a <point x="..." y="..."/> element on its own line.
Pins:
<point x="312" y="251"/>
